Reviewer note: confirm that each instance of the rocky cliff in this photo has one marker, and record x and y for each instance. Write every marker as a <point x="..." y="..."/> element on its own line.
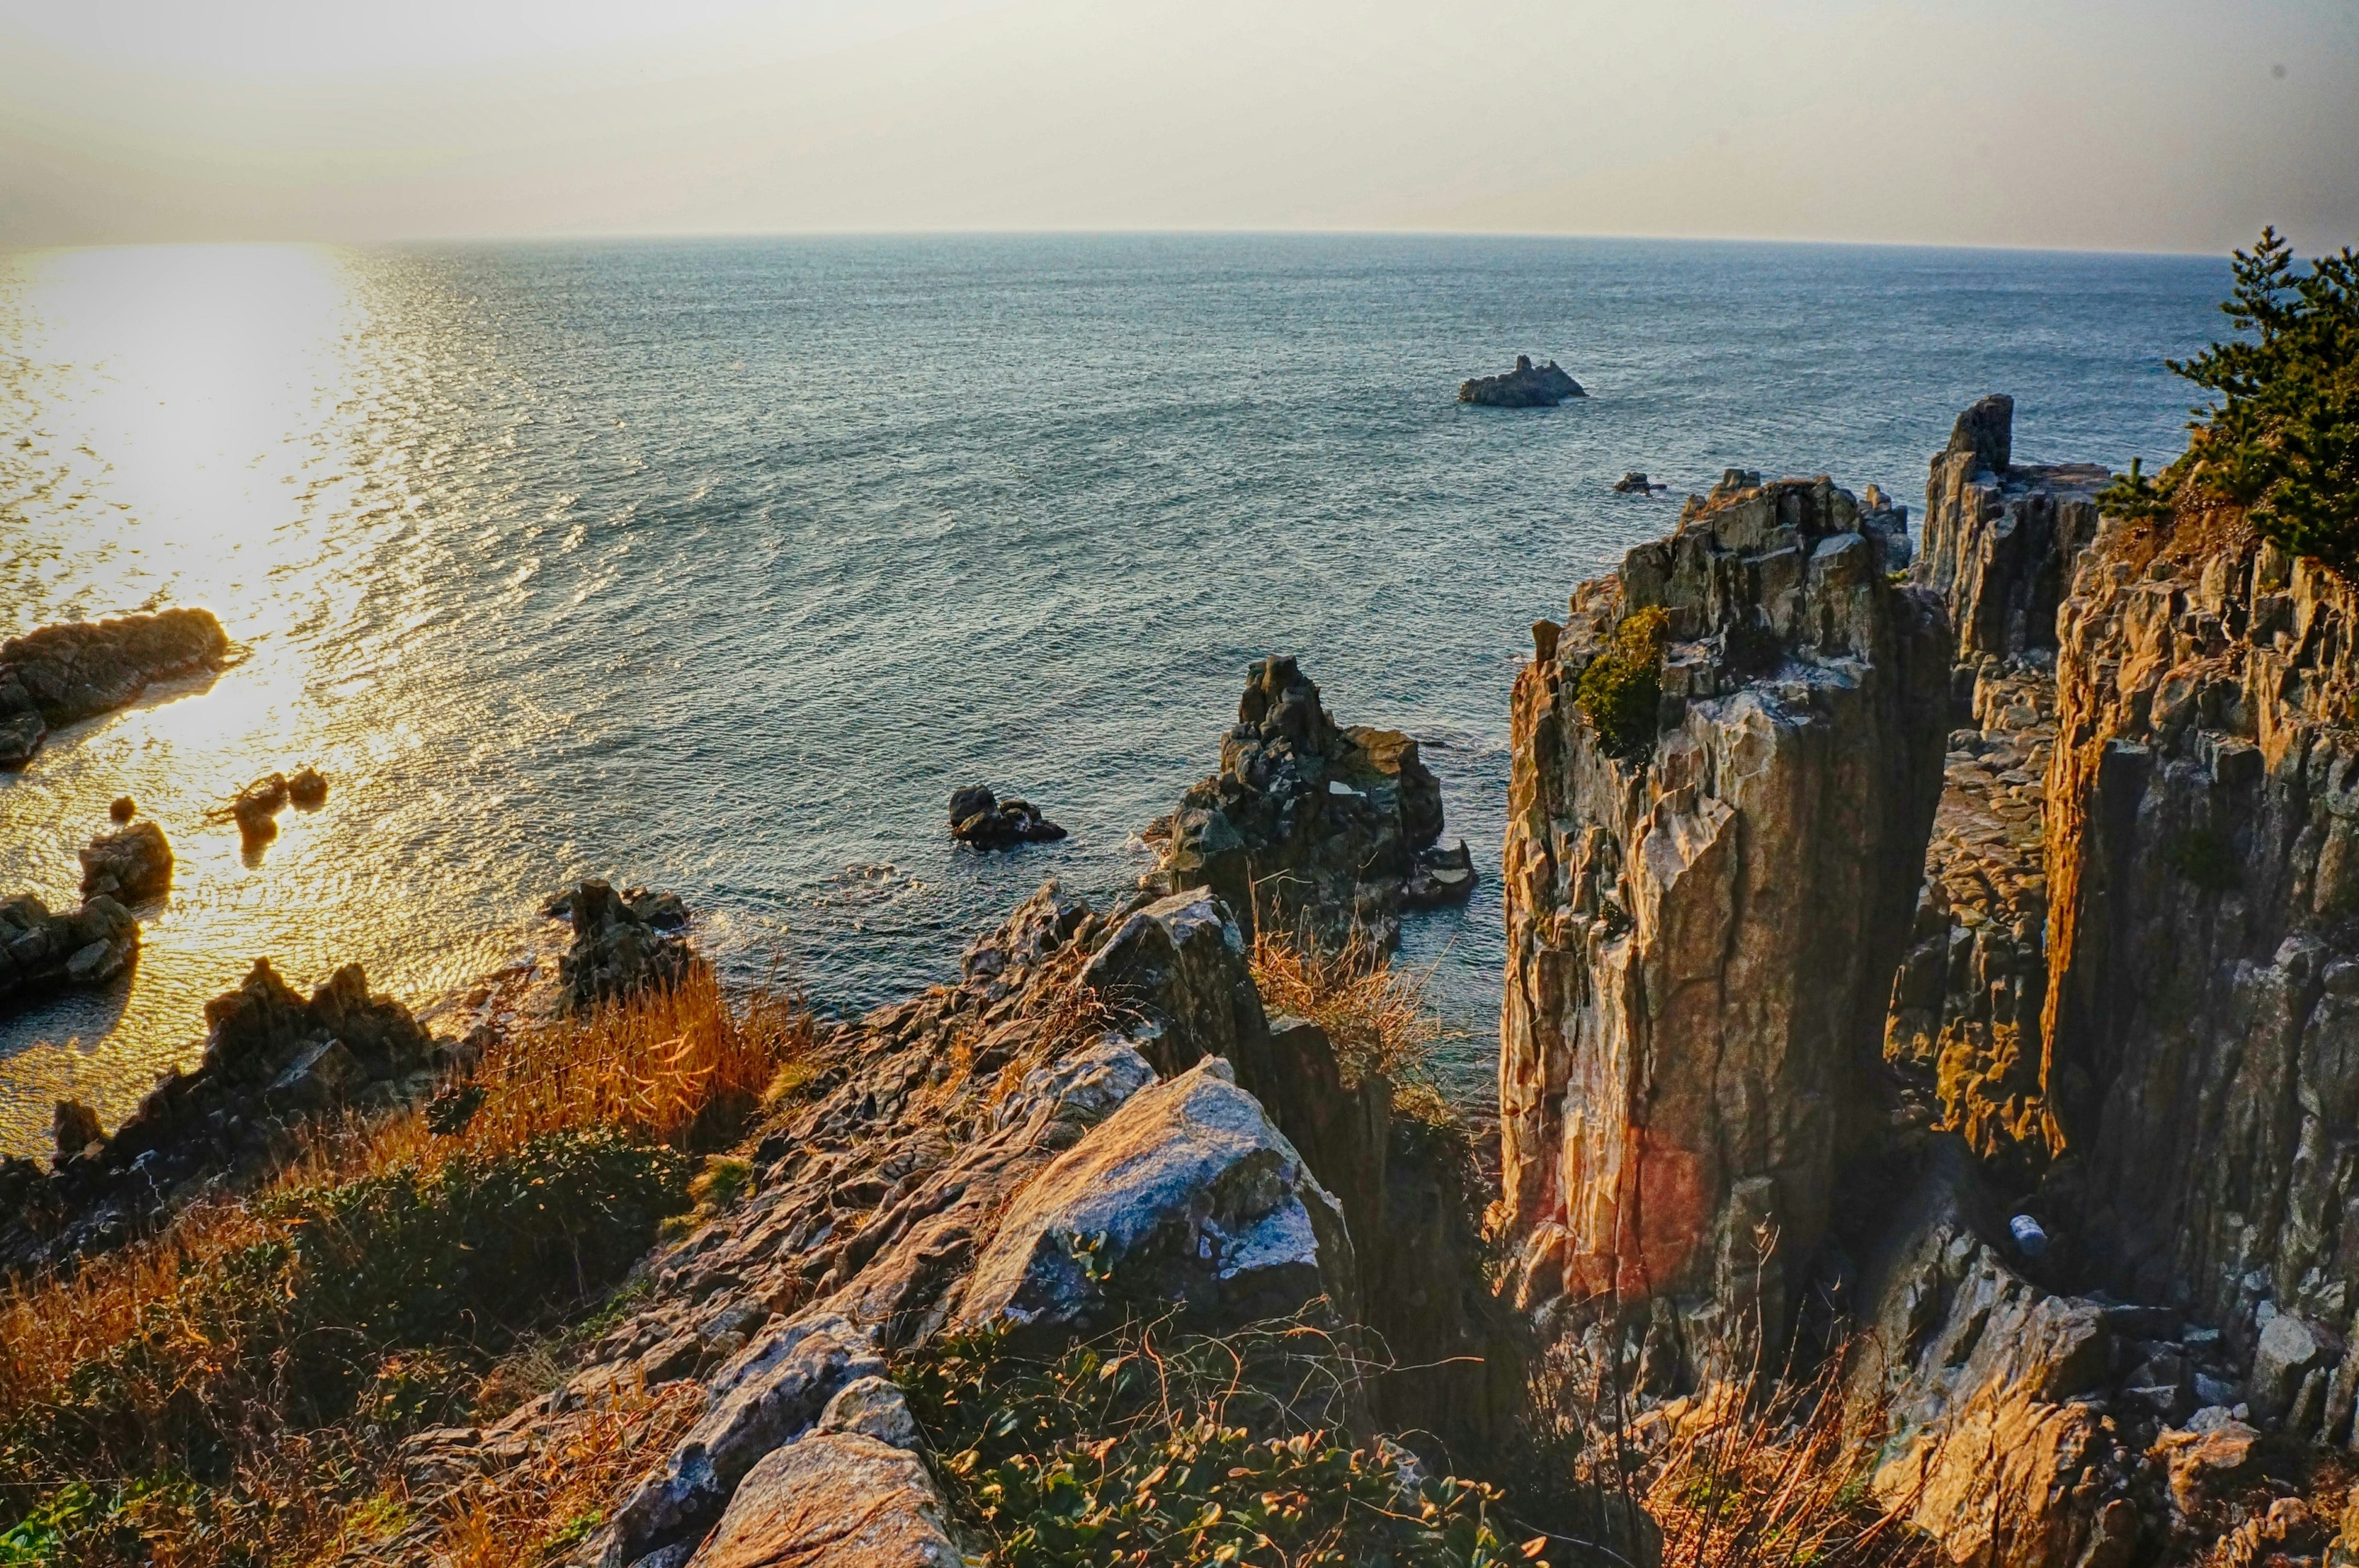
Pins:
<point x="1709" y="886"/>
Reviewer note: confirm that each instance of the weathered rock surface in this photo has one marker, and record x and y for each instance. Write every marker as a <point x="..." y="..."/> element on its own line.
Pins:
<point x="835" y="1498"/>
<point x="41" y="953"/>
<point x="271" y="1058"/>
<point x="1186" y="1195"/>
<point x="1700" y="941"/>
<point x="1525" y="386"/>
<point x="2202" y="1013"/>
<point x="624" y="943"/>
<point x="983" y="819"/>
<point x="1311" y="826"/>
<point x="57" y="675"/>
<point x="130" y="865"/>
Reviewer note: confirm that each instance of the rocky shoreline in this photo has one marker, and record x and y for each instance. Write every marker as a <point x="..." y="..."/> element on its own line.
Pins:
<point x="60" y="673"/>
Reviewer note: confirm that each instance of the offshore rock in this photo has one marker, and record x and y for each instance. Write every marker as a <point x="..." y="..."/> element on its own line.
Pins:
<point x="1701" y="940"/>
<point x="1187" y="1196"/>
<point x="1311" y="827"/>
<point x="271" y="1058"/>
<point x="42" y="953"/>
<point x="624" y="943"/>
<point x="131" y="865"/>
<point x="2202" y="1010"/>
<point x="60" y="674"/>
<point x="1525" y="386"/>
<point x="981" y="819"/>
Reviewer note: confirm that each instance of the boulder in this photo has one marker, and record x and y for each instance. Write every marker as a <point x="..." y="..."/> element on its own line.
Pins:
<point x="983" y="819"/>
<point x="1176" y="972"/>
<point x="130" y="864"/>
<point x="623" y="942"/>
<point x="41" y="952"/>
<point x="1187" y="1196"/>
<point x="1525" y="386"/>
<point x="1636" y="483"/>
<point x="121" y="809"/>
<point x="770" y="1393"/>
<point x="308" y="788"/>
<point x="2286" y="1352"/>
<point x="57" y="675"/>
<point x="74" y="1129"/>
<point x="834" y="1500"/>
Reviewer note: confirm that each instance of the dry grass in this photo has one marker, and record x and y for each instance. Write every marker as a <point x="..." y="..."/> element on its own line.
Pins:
<point x="685" y="1068"/>
<point x="1750" y="1471"/>
<point x="1376" y="1015"/>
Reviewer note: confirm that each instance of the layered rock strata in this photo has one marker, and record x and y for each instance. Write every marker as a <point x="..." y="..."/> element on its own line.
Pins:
<point x="57" y="675"/>
<point x="271" y="1058"/>
<point x="1310" y="826"/>
<point x="1702" y="935"/>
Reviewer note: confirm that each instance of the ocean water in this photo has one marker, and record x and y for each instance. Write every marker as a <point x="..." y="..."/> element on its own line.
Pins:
<point x="716" y="566"/>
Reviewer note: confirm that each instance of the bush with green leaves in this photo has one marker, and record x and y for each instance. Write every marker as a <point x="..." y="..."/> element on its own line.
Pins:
<point x="1621" y="687"/>
<point x="2283" y="439"/>
<point x="1149" y="1447"/>
<point x="373" y="1298"/>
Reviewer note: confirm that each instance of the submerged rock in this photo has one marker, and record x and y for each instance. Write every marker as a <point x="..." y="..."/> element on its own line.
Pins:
<point x="623" y="942"/>
<point x="981" y="819"/>
<point x="1311" y="826"/>
<point x="58" y="675"/>
<point x="1525" y="386"/>
<point x="131" y="864"/>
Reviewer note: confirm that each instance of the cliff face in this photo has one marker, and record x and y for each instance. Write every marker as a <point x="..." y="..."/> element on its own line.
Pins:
<point x="2000" y="543"/>
<point x="1702" y="940"/>
<point x="2203" y="839"/>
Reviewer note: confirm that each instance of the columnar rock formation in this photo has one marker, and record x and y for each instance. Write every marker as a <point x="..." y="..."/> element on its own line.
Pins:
<point x="1701" y="939"/>
<point x="1309" y="824"/>
<point x="58" y="673"/>
<point x="2000" y="545"/>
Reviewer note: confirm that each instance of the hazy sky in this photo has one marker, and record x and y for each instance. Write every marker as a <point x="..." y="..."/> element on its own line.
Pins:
<point x="2177" y="124"/>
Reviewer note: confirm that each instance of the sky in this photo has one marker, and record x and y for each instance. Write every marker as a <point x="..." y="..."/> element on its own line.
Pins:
<point x="2118" y="124"/>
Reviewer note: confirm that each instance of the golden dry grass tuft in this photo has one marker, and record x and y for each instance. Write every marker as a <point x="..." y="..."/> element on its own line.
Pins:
<point x="686" y="1068"/>
<point x="1376" y="1015"/>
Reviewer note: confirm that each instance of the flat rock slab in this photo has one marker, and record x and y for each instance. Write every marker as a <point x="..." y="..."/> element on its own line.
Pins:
<point x="835" y="1498"/>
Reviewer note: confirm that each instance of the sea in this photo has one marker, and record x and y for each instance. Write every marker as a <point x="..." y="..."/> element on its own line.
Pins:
<point x="714" y="566"/>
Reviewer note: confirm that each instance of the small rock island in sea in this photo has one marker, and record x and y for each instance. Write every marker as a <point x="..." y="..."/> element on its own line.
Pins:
<point x="1525" y="386"/>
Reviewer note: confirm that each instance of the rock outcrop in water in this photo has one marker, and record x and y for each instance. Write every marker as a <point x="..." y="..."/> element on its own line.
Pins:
<point x="624" y="943"/>
<point x="1525" y="386"/>
<point x="41" y="953"/>
<point x="1703" y="916"/>
<point x="981" y="819"/>
<point x="60" y="674"/>
<point x="271" y="1059"/>
<point x="130" y="864"/>
<point x="1312" y="825"/>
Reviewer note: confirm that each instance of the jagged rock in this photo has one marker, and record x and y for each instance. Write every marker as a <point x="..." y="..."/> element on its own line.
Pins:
<point x="872" y="1407"/>
<point x="1310" y="825"/>
<point x="981" y="819"/>
<point x="2202" y="832"/>
<point x="2000" y="541"/>
<point x="1887" y="521"/>
<point x="772" y="1391"/>
<point x="131" y="864"/>
<point x="834" y="1500"/>
<point x="1187" y="1195"/>
<point x="41" y="953"/>
<point x="623" y="942"/>
<point x="2288" y="1349"/>
<point x="57" y="675"/>
<point x="74" y="1127"/>
<point x="1701" y="940"/>
<point x="270" y="1058"/>
<point x="1178" y="968"/>
<point x="1525" y="386"/>
<point x="1636" y="483"/>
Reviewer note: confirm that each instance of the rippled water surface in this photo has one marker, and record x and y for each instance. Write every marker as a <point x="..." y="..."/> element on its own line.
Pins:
<point x="716" y="566"/>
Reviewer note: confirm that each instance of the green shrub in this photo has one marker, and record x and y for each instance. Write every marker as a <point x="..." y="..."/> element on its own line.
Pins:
<point x="2283" y="440"/>
<point x="1138" y="1450"/>
<point x="1621" y="690"/>
<point x="375" y="1298"/>
<point x="2203" y="857"/>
